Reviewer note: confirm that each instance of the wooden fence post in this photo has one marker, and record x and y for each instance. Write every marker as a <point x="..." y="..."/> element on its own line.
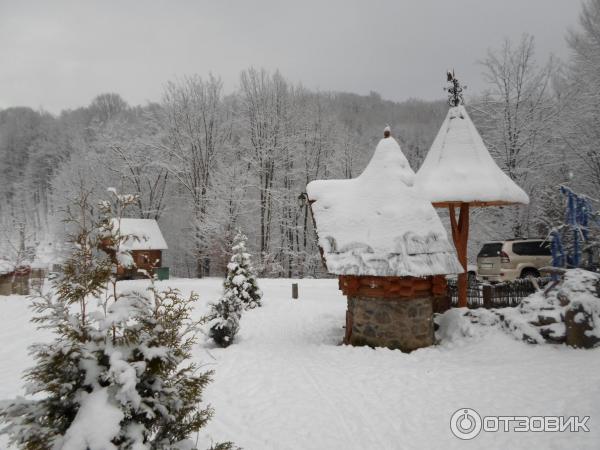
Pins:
<point x="294" y="290"/>
<point x="487" y="296"/>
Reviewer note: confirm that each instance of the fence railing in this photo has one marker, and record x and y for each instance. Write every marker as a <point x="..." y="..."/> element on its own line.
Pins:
<point x="500" y="295"/>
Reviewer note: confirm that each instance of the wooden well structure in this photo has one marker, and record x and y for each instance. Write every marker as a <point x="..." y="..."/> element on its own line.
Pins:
<point x="459" y="173"/>
<point x="389" y="248"/>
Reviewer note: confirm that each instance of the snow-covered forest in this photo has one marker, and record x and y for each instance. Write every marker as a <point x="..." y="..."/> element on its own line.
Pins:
<point x="206" y="162"/>
<point x="266" y="225"/>
<point x="203" y="163"/>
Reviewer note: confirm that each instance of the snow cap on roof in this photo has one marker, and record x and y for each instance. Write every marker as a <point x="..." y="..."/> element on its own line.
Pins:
<point x="147" y="230"/>
<point x="377" y="224"/>
<point x="459" y="168"/>
<point x="6" y="267"/>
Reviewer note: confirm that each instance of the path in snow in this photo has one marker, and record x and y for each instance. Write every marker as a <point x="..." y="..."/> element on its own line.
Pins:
<point x="287" y="384"/>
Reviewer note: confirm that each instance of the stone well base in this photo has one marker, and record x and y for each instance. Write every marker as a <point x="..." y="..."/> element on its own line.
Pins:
<point x="396" y="323"/>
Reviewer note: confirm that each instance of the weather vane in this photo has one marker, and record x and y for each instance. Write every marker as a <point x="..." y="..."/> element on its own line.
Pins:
<point x="455" y="96"/>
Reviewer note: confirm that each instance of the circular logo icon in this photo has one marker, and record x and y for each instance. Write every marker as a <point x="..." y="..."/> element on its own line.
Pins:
<point x="465" y="423"/>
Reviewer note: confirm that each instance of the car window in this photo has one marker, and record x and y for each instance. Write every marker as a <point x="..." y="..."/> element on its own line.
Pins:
<point x="531" y="248"/>
<point x="545" y="249"/>
<point x="492" y="249"/>
<point x="521" y="248"/>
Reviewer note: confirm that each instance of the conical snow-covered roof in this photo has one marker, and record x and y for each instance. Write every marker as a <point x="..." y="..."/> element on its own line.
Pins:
<point x="459" y="168"/>
<point x="378" y="224"/>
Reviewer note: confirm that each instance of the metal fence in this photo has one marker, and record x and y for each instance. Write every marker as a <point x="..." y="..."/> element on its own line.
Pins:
<point x="500" y="295"/>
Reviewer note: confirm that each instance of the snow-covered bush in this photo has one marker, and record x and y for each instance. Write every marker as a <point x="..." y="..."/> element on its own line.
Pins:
<point x="240" y="291"/>
<point x="115" y="375"/>
<point x="567" y="314"/>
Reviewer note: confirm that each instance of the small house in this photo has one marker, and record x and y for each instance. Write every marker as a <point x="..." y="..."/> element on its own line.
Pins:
<point x="388" y="247"/>
<point x="146" y="245"/>
<point x="14" y="279"/>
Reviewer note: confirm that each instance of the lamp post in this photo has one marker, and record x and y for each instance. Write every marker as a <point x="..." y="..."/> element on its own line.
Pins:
<point x="302" y="200"/>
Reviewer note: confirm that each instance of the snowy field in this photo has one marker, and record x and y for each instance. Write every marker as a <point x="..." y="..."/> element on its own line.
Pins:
<point x="288" y="384"/>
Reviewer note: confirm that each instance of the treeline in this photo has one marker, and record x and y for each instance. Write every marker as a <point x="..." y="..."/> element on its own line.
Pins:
<point x="202" y="163"/>
<point x="205" y="163"/>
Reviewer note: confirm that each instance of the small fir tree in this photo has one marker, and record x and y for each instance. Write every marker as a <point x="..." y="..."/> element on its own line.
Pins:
<point x="240" y="291"/>
<point x="225" y="319"/>
<point x="114" y="377"/>
<point x="241" y="276"/>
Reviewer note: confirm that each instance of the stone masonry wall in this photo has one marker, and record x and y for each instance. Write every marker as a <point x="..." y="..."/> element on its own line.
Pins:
<point x="400" y="323"/>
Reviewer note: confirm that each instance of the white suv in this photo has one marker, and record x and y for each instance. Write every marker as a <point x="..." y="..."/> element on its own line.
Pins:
<point x="509" y="260"/>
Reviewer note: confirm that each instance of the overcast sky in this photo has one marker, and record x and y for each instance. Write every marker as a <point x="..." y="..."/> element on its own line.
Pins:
<point x="58" y="54"/>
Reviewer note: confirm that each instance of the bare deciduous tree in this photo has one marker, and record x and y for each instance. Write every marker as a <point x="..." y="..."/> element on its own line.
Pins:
<point x="581" y="131"/>
<point x="194" y="117"/>
<point x="517" y="115"/>
<point x="265" y="115"/>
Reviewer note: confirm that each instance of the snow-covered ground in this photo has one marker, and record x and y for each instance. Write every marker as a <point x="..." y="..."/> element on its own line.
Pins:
<point x="287" y="384"/>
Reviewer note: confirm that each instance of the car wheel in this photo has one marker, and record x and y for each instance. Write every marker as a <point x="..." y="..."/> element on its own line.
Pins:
<point x="530" y="273"/>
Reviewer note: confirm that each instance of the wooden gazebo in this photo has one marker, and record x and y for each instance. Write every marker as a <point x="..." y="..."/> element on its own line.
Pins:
<point x="459" y="174"/>
<point x="389" y="248"/>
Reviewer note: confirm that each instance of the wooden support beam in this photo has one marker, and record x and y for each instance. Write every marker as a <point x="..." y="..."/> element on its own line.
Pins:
<point x="453" y="224"/>
<point x="460" y="236"/>
<point x="473" y="204"/>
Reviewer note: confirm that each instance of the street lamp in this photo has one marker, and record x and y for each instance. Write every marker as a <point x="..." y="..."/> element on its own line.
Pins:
<point x="302" y="200"/>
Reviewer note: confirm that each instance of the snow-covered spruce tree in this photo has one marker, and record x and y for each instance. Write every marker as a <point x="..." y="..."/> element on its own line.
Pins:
<point x="115" y="375"/>
<point x="225" y="318"/>
<point x="240" y="291"/>
<point x="241" y="276"/>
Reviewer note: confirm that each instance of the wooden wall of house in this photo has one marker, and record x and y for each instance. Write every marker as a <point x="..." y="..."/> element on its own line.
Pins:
<point x="11" y="284"/>
<point x="144" y="259"/>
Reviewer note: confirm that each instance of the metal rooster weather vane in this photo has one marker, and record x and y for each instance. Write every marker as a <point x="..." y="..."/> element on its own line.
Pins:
<point x="455" y="96"/>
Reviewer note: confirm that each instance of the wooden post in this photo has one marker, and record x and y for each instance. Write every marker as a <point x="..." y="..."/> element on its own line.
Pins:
<point x="294" y="290"/>
<point x="460" y="236"/>
<point x="487" y="296"/>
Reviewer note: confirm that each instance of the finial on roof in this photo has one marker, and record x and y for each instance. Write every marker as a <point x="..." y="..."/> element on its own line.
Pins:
<point x="387" y="131"/>
<point x="455" y="90"/>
